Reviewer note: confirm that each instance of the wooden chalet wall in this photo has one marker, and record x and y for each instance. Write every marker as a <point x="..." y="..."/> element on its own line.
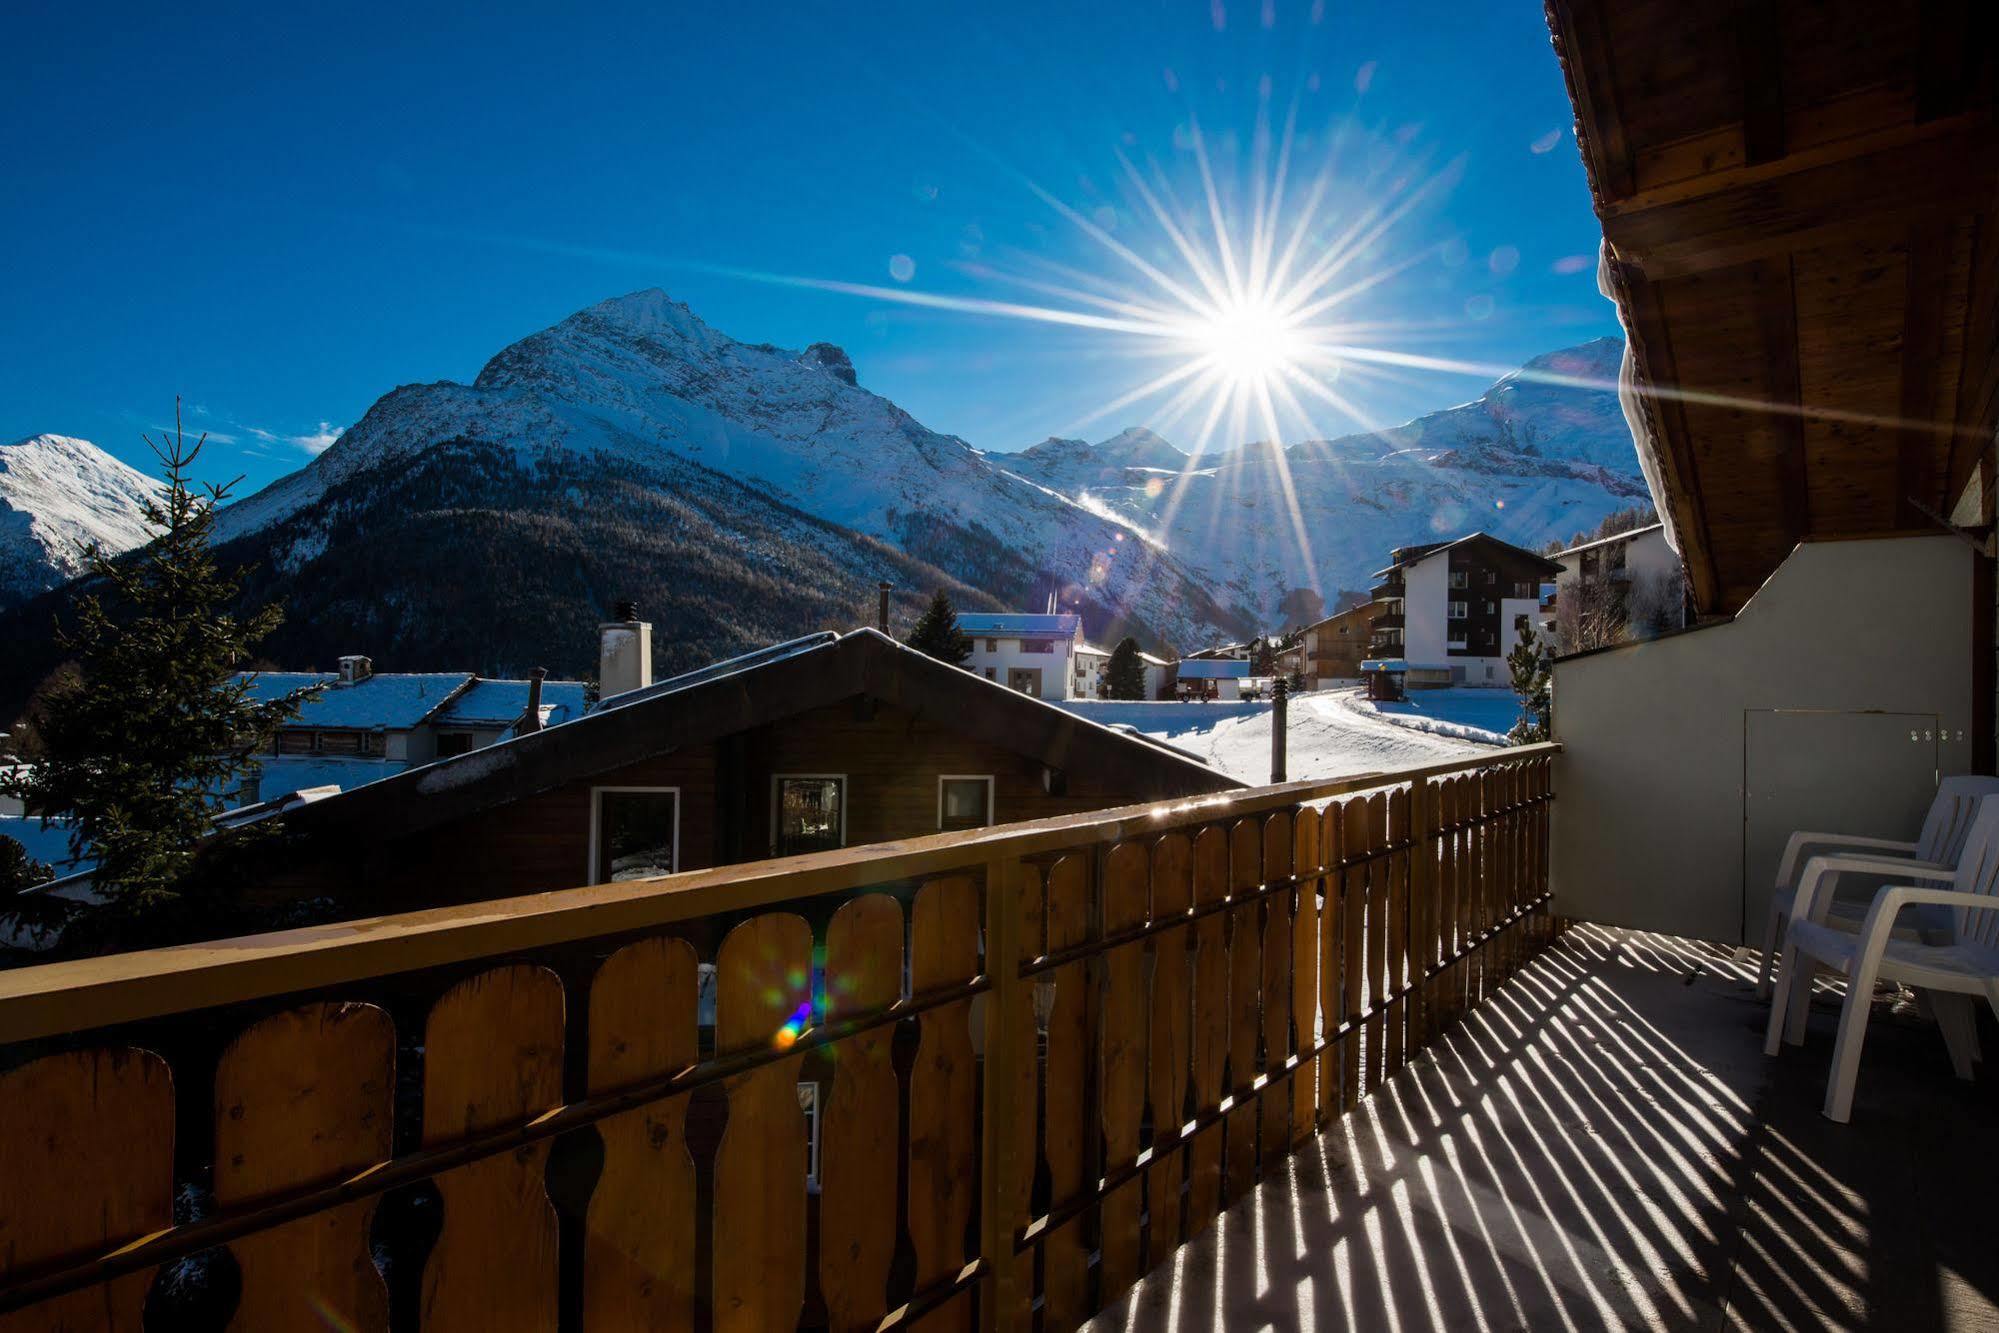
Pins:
<point x="891" y="759"/>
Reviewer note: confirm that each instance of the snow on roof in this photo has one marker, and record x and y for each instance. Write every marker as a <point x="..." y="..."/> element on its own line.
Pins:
<point x="386" y="701"/>
<point x="1018" y="622"/>
<point x="1213" y="668"/>
<point x="280" y="775"/>
<point x="1606" y="541"/>
<point x="500" y="703"/>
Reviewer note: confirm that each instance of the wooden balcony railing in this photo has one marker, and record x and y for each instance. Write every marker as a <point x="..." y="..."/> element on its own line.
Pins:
<point x="1045" y="1055"/>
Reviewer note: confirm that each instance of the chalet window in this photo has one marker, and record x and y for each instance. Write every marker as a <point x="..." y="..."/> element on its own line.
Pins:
<point x="1037" y="645"/>
<point x="1492" y="608"/>
<point x="1526" y="590"/>
<point x="453" y="742"/>
<point x="634" y="832"/>
<point x="1458" y="611"/>
<point x="992" y="645"/>
<point x="992" y="673"/>
<point x="340" y="742"/>
<point x="1458" y="578"/>
<point x="294" y="742"/>
<point x="1492" y="576"/>
<point x="964" y="801"/>
<point x="371" y="742"/>
<point x="808" y="813"/>
<point x="1520" y="627"/>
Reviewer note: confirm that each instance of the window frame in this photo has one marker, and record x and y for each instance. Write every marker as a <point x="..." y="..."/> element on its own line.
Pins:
<point x="597" y="824"/>
<point x="455" y="733"/>
<point x="776" y="806"/>
<point x="1457" y="611"/>
<point x="943" y="778"/>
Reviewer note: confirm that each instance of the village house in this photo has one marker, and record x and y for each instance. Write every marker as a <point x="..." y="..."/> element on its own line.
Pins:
<point x="824" y="742"/>
<point x="1212" y="678"/>
<point x="1093" y="667"/>
<point x="1450" y="612"/>
<point x="1615" y="589"/>
<point x="1330" y="651"/>
<point x="363" y="726"/>
<point x="1034" y="654"/>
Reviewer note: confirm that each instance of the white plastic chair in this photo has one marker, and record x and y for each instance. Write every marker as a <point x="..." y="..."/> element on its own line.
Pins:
<point x="1937" y="846"/>
<point x="1952" y="973"/>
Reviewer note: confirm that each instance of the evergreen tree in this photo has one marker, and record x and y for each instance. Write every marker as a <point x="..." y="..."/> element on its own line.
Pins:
<point x="1262" y="657"/>
<point x="140" y="746"/>
<point x="936" y="632"/>
<point x="1124" y="674"/>
<point x="1532" y="667"/>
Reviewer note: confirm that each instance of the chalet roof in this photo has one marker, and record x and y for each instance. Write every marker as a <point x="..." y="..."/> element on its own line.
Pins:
<point x="1214" y="668"/>
<point x="747" y="692"/>
<point x="499" y="703"/>
<point x="1800" y="209"/>
<point x="1063" y="624"/>
<point x="388" y="701"/>
<point x="1632" y="535"/>
<point x="1406" y="556"/>
<point x="1365" y="613"/>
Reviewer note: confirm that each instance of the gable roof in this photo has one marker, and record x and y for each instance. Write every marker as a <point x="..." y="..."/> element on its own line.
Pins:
<point x="388" y="701"/>
<point x="1214" y="668"/>
<point x="1591" y="545"/>
<point x="501" y="703"/>
<point x="747" y="692"/>
<point x="1365" y="613"/>
<point x="1064" y="624"/>
<point x="1410" y="555"/>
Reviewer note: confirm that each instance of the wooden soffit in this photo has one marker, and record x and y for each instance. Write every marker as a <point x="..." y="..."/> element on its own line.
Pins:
<point x="1800" y="204"/>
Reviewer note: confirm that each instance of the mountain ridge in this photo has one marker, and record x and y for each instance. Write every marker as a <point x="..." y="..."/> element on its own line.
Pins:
<point x="57" y="495"/>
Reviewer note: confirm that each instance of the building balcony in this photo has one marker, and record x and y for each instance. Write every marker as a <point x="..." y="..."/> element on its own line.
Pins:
<point x="1389" y="620"/>
<point x="1494" y="1116"/>
<point x="1393" y="588"/>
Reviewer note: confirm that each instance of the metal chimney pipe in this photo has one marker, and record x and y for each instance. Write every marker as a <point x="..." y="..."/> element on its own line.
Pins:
<point x="531" y="720"/>
<point x="1280" y="709"/>
<point x="881" y="615"/>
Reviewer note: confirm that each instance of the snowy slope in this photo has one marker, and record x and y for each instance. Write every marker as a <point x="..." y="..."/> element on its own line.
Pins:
<point x="1526" y="461"/>
<point x="57" y="494"/>
<point x="640" y="382"/>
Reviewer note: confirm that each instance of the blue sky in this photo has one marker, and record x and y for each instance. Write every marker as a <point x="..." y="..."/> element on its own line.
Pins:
<point x="283" y="212"/>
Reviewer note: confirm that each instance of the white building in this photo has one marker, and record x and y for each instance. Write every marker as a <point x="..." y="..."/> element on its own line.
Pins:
<point x="1452" y="611"/>
<point x="1212" y="678"/>
<point x="1035" y="654"/>
<point x="1618" y="589"/>
<point x="1093" y="667"/>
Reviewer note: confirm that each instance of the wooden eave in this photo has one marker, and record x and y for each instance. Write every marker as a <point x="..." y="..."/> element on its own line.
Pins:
<point x="1800" y="204"/>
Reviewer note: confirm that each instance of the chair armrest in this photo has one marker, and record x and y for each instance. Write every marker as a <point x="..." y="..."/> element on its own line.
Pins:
<point x="1814" y="895"/>
<point x="1798" y="848"/>
<point x="1880" y="923"/>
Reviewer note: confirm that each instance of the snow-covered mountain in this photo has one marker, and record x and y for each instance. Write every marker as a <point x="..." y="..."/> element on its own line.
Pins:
<point x="639" y="390"/>
<point x="1526" y="461"/>
<point x="57" y="495"/>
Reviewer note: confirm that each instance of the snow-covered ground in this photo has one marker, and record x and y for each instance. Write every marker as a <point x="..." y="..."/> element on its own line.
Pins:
<point x="1326" y="738"/>
<point x="1484" y="715"/>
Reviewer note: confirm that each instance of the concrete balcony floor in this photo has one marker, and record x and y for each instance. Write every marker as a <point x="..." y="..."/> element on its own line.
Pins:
<point x="1603" y="1144"/>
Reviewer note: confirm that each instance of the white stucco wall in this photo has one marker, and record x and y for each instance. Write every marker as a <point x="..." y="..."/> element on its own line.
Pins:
<point x="1812" y="708"/>
<point x="1425" y="604"/>
<point x="1057" y="668"/>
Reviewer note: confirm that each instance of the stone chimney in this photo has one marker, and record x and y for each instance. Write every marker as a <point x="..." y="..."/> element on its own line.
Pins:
<point x="355" y="668"/>
<point x="624" y="652"/>
<point x="531" y="720"/>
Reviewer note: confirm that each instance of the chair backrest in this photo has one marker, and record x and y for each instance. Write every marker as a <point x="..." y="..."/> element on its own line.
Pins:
<point x="1950" y="818"/>
<point x="1978" y="872"/>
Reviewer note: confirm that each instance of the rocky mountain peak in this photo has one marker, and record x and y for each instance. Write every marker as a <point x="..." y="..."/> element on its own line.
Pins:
<point x="830" y="359"/>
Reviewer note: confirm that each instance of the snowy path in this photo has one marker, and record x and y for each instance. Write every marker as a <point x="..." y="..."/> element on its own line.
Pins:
<point x="1326" y="738"/>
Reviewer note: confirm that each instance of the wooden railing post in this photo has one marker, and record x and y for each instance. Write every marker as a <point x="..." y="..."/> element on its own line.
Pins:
<point x="1422" y="907"/>
<point x="1003" y="1300"/>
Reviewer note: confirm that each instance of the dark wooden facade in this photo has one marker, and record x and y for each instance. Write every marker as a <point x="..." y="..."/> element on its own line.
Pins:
<point x="423" y="840"/>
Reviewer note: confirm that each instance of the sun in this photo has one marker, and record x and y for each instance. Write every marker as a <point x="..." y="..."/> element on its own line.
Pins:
<point x="1249" y="343"/>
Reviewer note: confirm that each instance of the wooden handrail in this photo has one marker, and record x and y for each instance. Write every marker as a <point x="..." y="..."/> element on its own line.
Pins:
<point x="81" y="995"/>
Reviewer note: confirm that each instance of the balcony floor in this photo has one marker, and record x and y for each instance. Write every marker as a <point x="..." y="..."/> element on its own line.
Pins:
<point x="1602" y="1144"/>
